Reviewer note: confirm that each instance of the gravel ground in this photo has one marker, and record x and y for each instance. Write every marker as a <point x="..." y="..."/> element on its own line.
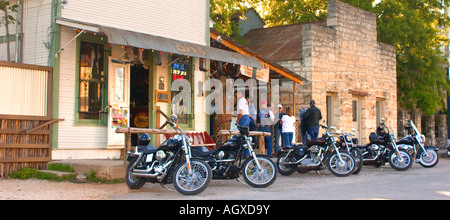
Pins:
<point x="33" y="189"/>
<point x="371" y="183"/>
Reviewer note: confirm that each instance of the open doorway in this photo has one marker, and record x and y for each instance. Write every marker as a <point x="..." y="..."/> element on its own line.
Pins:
<point x="139" y="98"/>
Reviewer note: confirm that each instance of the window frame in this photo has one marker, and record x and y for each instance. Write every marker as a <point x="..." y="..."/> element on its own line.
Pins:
<point x="96" y="39"/>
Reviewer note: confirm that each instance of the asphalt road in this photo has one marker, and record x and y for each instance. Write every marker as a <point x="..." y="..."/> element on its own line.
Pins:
<point x="371" y="183"/>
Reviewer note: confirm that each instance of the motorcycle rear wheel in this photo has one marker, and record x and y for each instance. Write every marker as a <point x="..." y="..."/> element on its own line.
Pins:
<point x="259" y="178"/>
<point x="132" y="181"/>
<point x="359" y="160"/>
<point x="195" y="184"/>
<point x="285" y="170"/>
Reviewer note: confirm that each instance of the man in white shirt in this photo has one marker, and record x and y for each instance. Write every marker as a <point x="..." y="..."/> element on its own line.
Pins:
<point x="243" y="118"/>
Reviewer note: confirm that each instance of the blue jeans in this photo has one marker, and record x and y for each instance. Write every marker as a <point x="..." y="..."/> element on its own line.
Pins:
<point x="313" y="132"/>
<point x="288" y="137"/>
<point x="267" y="140"/>
<point x="277" y="140"/>
<point x="244" y="121"/>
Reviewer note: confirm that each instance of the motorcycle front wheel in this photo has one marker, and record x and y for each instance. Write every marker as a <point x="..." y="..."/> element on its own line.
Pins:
<point x="429" y="159"/>
<point x="400" y="165"/>
<point x="259" y="178"/>
<point x="341" y="168"/>
<point x="187" y="184"/>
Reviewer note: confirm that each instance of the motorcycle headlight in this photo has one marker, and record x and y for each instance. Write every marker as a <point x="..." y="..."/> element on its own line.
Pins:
<point x="422" y="137"/>
<point x="190" y="141"/>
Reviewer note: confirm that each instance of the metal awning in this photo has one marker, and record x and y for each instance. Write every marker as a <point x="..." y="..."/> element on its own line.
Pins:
<point x="151" y="42"/>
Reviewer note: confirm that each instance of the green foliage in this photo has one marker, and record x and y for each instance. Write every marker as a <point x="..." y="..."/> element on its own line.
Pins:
<point x="9" y="19"/>
<point x="27" y="173"/>
<point x="60" y="167"/>
<point x="412" y="26"/>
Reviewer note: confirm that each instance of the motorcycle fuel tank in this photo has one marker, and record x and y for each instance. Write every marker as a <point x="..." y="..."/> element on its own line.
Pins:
<point x="230" y="144"/>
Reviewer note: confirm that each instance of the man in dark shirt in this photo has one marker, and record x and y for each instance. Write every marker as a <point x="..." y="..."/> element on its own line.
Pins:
<point x="311" y="120"/>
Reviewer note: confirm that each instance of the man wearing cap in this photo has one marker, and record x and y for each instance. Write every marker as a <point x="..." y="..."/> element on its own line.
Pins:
<point x="311" y="119"/>
<point x="264" y="120"/>
<point x="277" y="128"/>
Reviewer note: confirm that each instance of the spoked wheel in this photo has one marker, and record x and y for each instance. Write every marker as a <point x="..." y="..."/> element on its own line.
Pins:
<point x="256" y="177"/>
<point x="429" y="159"/>
<point x="287" y="169"/>
<point x="341" y="168"/>
<point x="133" y="182"/>
<point x="193" y="184"/>
<point x="402" y="163"/>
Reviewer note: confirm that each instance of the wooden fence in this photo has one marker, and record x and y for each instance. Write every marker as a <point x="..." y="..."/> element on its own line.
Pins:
<point x="25" y="137"/>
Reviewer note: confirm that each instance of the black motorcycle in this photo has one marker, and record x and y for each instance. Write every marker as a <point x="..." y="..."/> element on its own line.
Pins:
<point x="316" y="154"/>
<point x="382" y="148"/>
<point x="427" y="156"/>
<point x="226" y="161"/>
<point x="349" y="144"/>
<point x="448" y="150"/>
<point x="170" y="163"/>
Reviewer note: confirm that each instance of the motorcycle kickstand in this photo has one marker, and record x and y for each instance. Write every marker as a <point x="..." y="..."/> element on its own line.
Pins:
<point x="237" y="179"/>
<point x="164" y="185"/>
<point x="318" y="172"/>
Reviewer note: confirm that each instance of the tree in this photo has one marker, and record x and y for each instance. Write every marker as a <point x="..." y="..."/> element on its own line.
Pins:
<point x="413" y="26"/>
<point x="7" y="19"/>
<point x="222" y="12"/>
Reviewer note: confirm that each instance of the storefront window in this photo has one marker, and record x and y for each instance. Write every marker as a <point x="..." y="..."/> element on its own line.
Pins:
<point x="92" y="80"/>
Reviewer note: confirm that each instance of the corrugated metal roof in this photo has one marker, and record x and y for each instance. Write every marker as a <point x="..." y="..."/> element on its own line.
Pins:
<point x="276" y="67"/>
<point x="140" y="40"/>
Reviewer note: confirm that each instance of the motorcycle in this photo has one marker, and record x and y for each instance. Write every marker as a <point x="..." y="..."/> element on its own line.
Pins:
<point x="427" y="156"/>
<point x="226" y="161"/>
<point x="382" y="148"/>
<point x="170" y="163"/>
<point x="349" y="144"/>
<point x="448" y="150"/>
<point x="315" y="154"/>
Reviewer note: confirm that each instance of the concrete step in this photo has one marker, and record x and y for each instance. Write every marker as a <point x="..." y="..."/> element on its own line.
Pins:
<point x="104" y="169"/>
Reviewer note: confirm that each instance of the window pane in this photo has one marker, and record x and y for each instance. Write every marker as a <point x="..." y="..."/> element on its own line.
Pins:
<point x="92" y="80"/>
<point x="120" y="84"/>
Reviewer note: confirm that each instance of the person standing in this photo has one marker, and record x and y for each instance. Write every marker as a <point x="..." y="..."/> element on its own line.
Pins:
<point x="278" y="128"/>
<point x="264" y="119"/>
<point x="243" y="118"/>
<point x="312" y="118"/>
<point x="288" y="127"/>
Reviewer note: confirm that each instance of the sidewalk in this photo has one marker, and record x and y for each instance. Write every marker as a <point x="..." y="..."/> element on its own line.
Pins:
<point x="105" y="169"/>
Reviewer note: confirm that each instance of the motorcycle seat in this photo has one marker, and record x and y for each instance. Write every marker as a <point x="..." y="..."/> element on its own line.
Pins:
<point x="147" y="149"/>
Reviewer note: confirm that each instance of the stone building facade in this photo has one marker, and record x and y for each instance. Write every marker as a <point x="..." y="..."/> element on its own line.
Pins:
<point x="350" y="75"/>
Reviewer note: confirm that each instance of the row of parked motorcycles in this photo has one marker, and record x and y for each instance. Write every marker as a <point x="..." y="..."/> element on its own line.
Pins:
<point x="191" y="169"/>
<point x="343" y="156"/>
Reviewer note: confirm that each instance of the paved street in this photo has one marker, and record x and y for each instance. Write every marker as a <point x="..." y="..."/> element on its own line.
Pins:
<point x="371" y="183"/>
<point x="385" y="183"/>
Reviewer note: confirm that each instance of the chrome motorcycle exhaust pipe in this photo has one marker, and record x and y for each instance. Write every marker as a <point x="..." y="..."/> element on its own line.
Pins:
<point x="154" y="175"/>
